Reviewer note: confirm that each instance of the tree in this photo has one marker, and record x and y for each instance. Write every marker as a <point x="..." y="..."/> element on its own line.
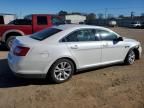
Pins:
<point x="121" y="16"/>
<point x="142" y="14"/>
<point x="90" y="18"/>
<point x="100" y="16"/>
<point x="110" y="16"/>
<point x="132" y="14"/>
<point x="77" y="13"/>
<point x="62" y="13"/>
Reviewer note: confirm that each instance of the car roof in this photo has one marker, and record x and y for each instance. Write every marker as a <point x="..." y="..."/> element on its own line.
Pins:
<point x="68" y="28"/>
<point x="77" y="26"/>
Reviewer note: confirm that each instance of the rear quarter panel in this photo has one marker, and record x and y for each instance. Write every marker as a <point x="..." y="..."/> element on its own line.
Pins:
<point x="44" y="55"/>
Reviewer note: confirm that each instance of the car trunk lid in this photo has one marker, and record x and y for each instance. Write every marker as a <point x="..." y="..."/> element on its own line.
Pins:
<point x="23" y="44"/>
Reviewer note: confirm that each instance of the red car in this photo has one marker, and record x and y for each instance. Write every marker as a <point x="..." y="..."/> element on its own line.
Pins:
<point x="30" y="24"/>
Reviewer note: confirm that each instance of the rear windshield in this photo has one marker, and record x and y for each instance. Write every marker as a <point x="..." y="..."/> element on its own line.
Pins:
<point x="21" y="22"/>
<point x="41" y="35"/>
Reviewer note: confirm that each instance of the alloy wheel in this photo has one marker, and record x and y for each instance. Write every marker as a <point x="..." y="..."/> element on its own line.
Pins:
<point x="62" y="71"/>
<point x="131" y="57"/>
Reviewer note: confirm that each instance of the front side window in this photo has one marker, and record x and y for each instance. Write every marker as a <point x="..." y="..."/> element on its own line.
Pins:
<point x="106" y="35"/>
<point x="42" y="20"/>
<point x="82" y="35"/>
<point x="41" y="35"/>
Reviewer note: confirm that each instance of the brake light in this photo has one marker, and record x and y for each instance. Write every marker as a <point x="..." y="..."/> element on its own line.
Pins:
<point x="21" y="51"/>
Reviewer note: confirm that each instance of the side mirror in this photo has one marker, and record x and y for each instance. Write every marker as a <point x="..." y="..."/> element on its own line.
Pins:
<point x="120" y="39"/>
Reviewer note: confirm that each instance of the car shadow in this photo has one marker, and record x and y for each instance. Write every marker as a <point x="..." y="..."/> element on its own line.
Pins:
<point x="98" y="68"/>
<point x="8" y="79"/>
<point x="3" y="47"/>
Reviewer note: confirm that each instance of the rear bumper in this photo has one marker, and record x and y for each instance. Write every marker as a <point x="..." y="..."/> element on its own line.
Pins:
<point x="19" y="69"/>
<point x="19" y="73"/>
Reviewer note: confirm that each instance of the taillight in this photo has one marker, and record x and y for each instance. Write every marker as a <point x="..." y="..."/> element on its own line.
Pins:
<point x="21" y="51"/>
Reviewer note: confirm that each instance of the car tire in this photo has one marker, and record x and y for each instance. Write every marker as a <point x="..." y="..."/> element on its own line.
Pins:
<point x="9" y="41"/>
<point x="61" y="71"/>
<point x="130" y="58"/>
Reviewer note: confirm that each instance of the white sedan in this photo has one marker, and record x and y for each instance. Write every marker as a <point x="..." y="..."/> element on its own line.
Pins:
<point x="59" y="51"/>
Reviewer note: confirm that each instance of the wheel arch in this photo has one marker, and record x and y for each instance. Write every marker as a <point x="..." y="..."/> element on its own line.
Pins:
<point x="69" y="58"/>
<point x="5" y="35"/>
<point x="136" y="51"/>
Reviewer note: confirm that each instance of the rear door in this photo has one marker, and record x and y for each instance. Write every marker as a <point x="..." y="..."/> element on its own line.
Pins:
<point x="85" y="47"/>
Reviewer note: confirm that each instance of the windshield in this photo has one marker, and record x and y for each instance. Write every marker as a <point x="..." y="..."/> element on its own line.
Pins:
<point x="41" y="35"/>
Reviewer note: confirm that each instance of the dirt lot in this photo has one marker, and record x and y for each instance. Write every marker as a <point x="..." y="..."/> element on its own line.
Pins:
<point x="117" y="86"/>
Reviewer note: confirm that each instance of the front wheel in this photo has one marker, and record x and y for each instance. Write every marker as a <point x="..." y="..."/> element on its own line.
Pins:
<point x="61" y="71"/>
<point x="130" y="58"/>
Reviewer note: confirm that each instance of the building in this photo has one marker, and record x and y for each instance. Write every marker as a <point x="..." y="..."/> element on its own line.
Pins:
<point x="75" y="18"/>
<point x="121" y="22"/>
<point x="6" y="18"/>
<point x="126" y="21"/>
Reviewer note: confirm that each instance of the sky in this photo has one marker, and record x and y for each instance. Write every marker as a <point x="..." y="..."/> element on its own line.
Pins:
<point x="115" y="7"/>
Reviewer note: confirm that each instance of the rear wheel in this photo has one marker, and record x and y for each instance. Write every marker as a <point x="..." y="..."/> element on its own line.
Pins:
<point x="130" y="57"/>
<point x="61" y="71"/>
<point x="9" y="41"/>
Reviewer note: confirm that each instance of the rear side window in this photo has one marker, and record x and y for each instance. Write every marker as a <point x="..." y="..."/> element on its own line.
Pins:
<point x="41" y="35"/>
<point x="42" y="20"/>
<point x="82" y="35"/>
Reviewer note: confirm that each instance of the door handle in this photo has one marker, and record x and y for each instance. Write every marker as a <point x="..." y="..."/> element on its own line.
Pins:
<point x="74" y="47"/>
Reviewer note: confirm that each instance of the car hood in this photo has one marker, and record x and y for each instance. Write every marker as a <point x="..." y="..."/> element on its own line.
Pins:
<point x="129" y="40"/>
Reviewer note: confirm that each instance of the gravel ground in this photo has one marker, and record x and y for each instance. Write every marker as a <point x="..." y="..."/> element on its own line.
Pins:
<point x="116" y="86"/>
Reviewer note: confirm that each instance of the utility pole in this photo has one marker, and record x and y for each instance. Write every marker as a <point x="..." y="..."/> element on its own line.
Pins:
<point x="106" y="13"/>
<point x="132" y="14"/>
<point x="106" y="16"/>
<point x="20" y="15"/>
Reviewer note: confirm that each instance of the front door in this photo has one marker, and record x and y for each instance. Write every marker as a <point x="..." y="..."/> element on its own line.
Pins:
<point x="85" y="47"/>
<point x="112" y="50"/>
